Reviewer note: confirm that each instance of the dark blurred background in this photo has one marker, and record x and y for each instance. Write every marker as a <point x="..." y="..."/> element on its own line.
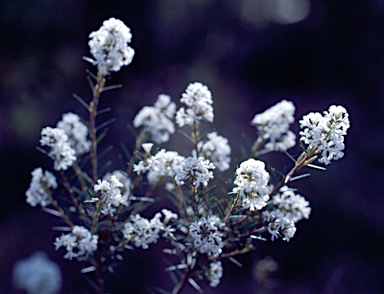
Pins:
<point x="251" y="54"/>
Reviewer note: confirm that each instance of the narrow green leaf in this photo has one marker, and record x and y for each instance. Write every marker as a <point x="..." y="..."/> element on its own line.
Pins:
<point x="104" y="124"/>
<point x="289" y="155"/>
<point x="101" y="137"/>
<point x="102" y="154"/>
<point x="91" y="85"/>
<point x="91" y="74"/>
<point x="81" y="101"/>
<point x="108" y="88"/>
<point x="103" y="110"/>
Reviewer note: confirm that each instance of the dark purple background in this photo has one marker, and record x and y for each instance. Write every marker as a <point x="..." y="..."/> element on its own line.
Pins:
<point x="335" y="56"/>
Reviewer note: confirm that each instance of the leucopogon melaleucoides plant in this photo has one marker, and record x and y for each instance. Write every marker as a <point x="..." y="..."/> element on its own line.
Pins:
<point x="102" y="210"/>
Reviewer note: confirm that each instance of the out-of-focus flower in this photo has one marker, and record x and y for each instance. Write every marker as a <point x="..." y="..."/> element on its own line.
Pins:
<point x="215" y="273"/>
<point x="37" y="275"/>
<point x="157" y="119"/>
<point x="76" y="131"/>
<point x="109" y="46"/>
<point x="38" y="190"/>
<point x="61" y="151"/>
<point x="168" y="215"/>
<point x="217" y="150"/>
<point x="263" y="270"/>
<point x="273" y="126"/>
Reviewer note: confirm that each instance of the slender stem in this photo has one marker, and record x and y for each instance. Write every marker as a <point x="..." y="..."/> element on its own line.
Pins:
<point x="92" y="123"/>
<point x="195" y="194"/>
<point x="256" y="145"/>
<point x="96" y="216"/>
<point x="233" y="253"/>
<point x="196" y="137"/>
<point x="301" y="162"/>
<point x="69" y="189"/>
<point x="182" y="207"/>
<point x="247" y="234"/>
<point x="79" y="175"/>
<point x="59" y="209"/>
<point x="232" y="208"/>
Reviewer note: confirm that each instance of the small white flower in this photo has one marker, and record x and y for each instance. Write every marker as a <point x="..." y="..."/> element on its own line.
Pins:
<point x="60" y="150"/>
<point x="184" y="117"/>
<point x="125" y="189"/>
<point x="198" y="169"/>
<point x="255" y="202"/>
<point x="111" y="196"/>
<point x="217" y="150"/>
<point x="326" y="133"/>
<point x="109" y="46"/>
<point x="38" y="190"/>
<point x="37" y="275"/>
<point x="157" y="119"/>
<point x="162" y="165"/>
<point x="168" y="215"/>
<point x="273" y="126"/>
<point x="147" y="147"/>
<point x="294" y="206"/>
<point x="79" y="243"/>
<point x="251" y="183"/>
<point x="279" y="224"/>
<point x="143" y="232"/>
<point x="76" y="131"/>
<point x="207" y="236"/>
<point x="198" y="99"/>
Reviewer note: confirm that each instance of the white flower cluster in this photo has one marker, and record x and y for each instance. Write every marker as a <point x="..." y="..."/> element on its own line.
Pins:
<point x="294" y="206"/>
<point x="76" y="131"/>
<point x="79" y="243"/>
<point x="199" y="101"/>
<point x="326" y="132"/>
<point x="159" y="166"/>
<point x="252" y="184"/>
<point x="157" y="119"/>
<point x="217" y="150"/>
<point x="61" y="151"/>
<point x="37" y="275"/>
<point x="143" y="232"/>
<point x="289" y="209"/>
<point x="111" y="196"/>
<point x="109" y="46"/>
<point x="207" y="236"/>
<point x="215" y="273"/>
<point x="273" y="126"/>
<point x="125" y="189"/>
<point x="37" y="192"/>
<point x="196" y="168"/>
<point x="279" y="224"/>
